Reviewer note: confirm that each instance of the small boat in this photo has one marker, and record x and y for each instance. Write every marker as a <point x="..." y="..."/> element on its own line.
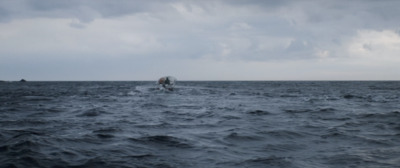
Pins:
<point x="166" y="82"/>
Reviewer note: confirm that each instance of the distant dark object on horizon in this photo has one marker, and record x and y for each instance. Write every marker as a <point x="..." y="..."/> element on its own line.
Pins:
<point x="167" y="82"/>
<point x="22" y="80"/>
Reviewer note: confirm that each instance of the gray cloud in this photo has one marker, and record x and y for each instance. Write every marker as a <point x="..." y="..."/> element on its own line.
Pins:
<point x="84" y="10"/>
<point x="215" y="32"/>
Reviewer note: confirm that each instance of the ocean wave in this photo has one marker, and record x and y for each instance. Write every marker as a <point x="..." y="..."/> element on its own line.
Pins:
<point x="200" y="124"/>
<point x="163" y="140"/>
<point x="271" y="161"/>
<point x="93" y="112"/>
<point x="258" y="112"/>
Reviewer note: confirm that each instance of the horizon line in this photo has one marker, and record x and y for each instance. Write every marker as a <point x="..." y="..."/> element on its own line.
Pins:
<point x="227" y="80"/>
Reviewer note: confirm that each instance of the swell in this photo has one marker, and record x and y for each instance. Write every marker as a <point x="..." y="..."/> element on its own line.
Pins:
<point x="200" y="124"/>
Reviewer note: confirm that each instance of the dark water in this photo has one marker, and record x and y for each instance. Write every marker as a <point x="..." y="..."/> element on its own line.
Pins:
<point x="200" y="124"/>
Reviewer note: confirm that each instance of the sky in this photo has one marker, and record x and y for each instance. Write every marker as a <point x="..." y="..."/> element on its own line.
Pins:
<point x="85" y="40"/>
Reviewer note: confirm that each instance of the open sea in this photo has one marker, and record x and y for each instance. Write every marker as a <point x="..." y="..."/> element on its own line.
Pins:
<point x="279" y="124"/>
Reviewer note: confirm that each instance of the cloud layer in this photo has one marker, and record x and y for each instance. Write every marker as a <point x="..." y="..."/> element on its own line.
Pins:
<point x="199" y="40"/>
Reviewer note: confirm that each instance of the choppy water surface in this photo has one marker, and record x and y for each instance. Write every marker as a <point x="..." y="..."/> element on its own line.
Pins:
<point x="200" y="124"/>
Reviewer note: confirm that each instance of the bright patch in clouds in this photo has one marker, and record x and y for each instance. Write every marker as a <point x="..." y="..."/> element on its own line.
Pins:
<point x="376" y="45"/>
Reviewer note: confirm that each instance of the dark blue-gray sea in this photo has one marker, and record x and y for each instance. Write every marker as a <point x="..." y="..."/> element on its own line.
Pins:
<point x="288" y="124"/>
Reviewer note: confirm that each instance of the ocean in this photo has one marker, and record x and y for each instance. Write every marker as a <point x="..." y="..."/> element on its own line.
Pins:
<point x="201" y="124"/>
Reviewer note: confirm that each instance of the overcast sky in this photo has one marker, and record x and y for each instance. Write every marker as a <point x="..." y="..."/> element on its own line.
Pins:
<point x="200" y="40"/>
